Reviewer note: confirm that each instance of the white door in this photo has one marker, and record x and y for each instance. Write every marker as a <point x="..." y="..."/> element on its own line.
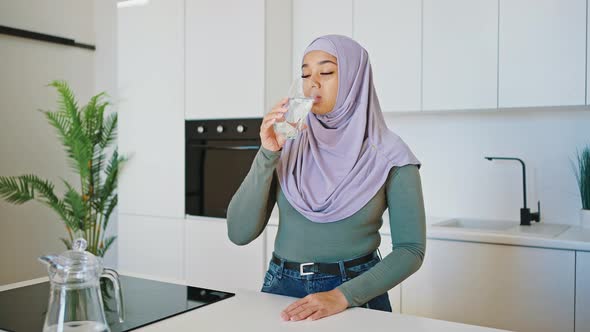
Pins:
<point x="582" y="291"/>
<point x="542" y="52"/>
<point x="213" y="261"/>
<point x="151" y="247"/>
<point x="151" y="108"/>
<point x="506" y="287"/>
<point x="390" y="30"/>
<point x="224" y="59"/>
<point x="460" y="54"/>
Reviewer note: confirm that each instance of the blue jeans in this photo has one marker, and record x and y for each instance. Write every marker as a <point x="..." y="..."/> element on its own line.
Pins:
<point x="282" y="281"/>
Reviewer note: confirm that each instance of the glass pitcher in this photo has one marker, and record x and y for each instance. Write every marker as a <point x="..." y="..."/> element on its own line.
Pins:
<point x="75" y="301"/>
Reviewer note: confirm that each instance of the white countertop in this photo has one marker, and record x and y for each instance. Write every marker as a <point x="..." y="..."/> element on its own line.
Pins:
<point x="260" y="312"/>
<point x="257" y="311"/>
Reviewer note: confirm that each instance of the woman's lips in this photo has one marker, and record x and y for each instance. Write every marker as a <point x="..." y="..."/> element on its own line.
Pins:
<point x="317" y="99"/>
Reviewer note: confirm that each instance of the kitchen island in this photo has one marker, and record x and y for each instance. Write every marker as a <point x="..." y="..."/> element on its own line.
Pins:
<point x="256" y="311"/>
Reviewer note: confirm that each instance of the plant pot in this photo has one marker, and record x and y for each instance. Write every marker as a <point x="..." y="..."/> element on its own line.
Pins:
<point x="585" y="218"/>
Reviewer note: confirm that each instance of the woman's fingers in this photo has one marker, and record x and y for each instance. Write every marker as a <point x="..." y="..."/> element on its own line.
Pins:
<point x="281" y="102"/>
<point x="267" y="123"/>
<point x="303" y="314"/>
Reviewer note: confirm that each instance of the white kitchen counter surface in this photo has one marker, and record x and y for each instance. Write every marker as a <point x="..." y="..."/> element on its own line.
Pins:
<point x="574" y="238"/>
<point x="259" y="312"/>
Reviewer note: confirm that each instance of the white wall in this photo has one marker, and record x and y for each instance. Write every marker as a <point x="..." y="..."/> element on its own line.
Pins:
<point x="28" y="144"/>
<point x="458" y="182"/>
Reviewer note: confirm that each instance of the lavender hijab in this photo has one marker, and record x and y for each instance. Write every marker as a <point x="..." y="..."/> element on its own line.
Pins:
<point x="340" y="162"/>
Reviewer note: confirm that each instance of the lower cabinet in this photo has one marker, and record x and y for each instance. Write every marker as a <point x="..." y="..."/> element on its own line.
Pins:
<point x="385" y="248"/>
<point x="151" y="247"/>
<point x="500" y="286"/>
<point x="213" y="261"/>
<point x="582" y="291"/>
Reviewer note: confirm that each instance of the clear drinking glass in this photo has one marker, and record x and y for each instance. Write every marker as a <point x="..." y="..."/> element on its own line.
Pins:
<point x="298" y="107"/>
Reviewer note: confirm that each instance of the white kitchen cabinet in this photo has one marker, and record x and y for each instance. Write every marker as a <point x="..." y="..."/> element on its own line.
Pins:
<point x="391" y="32"/>
<point x="582" y="291"/>
<point x="384" y="248"/>
<point x="225" y="58"/>
<point x="460" y="54"/>
<point x="213" y="261"/>
<point x="151" y="246"/>
<point x="314" y="18"/>
<point x="151" y="108"/>
<point x="542" y="52"/>
<point x="491" y="285"/>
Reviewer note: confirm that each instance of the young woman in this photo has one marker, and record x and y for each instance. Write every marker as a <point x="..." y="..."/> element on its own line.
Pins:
<point x="332" y="185"/>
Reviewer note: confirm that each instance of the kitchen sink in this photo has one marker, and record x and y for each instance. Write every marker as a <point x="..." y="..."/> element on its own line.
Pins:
<point x="503" y="226"/>
<point x="477" y="224"/>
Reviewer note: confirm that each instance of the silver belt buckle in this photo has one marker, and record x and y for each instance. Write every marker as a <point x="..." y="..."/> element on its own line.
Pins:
<point x="301" y="269"/>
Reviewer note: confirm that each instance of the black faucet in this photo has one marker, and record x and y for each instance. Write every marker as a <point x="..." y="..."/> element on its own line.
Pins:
<point x="525" y="213"/>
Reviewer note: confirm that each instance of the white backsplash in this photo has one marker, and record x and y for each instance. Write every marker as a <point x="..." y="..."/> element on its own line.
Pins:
<point x="458" y="182"/>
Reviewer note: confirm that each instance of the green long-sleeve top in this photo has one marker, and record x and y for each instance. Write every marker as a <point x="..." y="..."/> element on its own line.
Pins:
<point x="301" y="240"/>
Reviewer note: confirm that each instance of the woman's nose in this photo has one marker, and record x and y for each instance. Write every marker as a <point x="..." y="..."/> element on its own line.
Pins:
<point x="315" y="83"/>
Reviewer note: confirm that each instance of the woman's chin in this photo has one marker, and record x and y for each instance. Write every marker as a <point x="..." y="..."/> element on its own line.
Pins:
<point x="317" y="111"/>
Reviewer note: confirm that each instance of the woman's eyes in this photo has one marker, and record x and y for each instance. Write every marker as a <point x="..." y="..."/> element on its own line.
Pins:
<point x="306" y="76"/>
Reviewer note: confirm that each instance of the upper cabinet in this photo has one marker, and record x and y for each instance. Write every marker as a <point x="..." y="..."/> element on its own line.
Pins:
<point x="225" y="58"/>
<point x="391" y="30"/>
<point x="151" y="108"/>
<point x="542" y="52"/>
<point x="460" y="59"/>
<point x="312" y="18"/>
<point x="438" y="55"/>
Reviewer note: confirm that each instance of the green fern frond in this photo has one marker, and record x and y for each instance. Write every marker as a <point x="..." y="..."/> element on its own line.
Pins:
<point x="16" y="190"/>
<point x="106" y="244"/>
<point x="582" y="174"/>
<point x="110" y="130"/>
<point x="110" y="207"/>
<point x="75" y="203"/>
<point x="66" y="242"/>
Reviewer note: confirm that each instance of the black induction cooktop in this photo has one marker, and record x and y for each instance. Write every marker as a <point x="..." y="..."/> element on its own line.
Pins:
<point x="145" y="302"/>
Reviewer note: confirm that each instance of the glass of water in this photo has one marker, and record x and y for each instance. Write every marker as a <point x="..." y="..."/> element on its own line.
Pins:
<point x="301" y="98"/>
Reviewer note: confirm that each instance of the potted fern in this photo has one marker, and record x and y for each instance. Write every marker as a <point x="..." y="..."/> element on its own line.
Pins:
<point x="582" y="172"/>
<point x="86" y="133"/>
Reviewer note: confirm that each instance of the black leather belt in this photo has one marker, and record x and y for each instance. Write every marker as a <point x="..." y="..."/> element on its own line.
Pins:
<point x="328" y="268"/>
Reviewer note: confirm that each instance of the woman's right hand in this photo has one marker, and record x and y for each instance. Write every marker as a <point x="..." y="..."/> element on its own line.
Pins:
<point x="268" y="138"/>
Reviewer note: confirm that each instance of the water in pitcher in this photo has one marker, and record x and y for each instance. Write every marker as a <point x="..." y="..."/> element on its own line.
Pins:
<point x="79" y="326"/>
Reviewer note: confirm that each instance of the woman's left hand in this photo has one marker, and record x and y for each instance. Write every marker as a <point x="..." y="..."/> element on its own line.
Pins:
<point x="315" y="306"/>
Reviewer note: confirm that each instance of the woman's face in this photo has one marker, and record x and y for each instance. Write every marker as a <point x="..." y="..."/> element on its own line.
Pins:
<point x="320" y="69"/>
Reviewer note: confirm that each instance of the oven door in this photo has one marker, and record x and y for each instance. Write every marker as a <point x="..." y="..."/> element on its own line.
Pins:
<point x="214" y="171"/>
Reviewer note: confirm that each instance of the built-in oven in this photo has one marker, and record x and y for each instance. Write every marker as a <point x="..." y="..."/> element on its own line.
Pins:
<point x="219" y="154"/>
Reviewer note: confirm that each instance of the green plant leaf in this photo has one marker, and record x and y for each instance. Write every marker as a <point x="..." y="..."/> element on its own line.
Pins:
<point x="66" y="242"/>
<point x="16" y="190"/>
<point x="75" y="203"/>
<point x="582" y="174"/>
<point x="106" y="245"/>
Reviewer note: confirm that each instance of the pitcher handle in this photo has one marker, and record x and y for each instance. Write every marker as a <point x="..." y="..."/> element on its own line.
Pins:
<point x="113" y="276"/>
